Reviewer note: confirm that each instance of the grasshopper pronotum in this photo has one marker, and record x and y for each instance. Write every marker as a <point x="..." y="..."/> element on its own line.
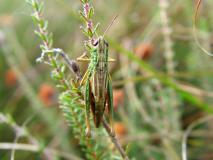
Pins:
<point x="98" y="90"/>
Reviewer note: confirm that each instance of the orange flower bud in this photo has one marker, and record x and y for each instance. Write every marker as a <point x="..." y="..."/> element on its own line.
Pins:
<point x="10" y="78"/>
<point x="120" y="129"/>
<point x="47" y="94"/>
<point x="118" y="97"/>
<point x="6" y="20"/>
<point x="144" y="50"/>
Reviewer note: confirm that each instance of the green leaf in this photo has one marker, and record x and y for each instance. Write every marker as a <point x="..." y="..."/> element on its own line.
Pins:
<point x="35" y="19"/>
<point x="40" y="7"/>
<point x="45" y="25"/>
<point x="61" y="86"/>
<point x="90" y="33"/>
<point x="91" y="13"/>
<point x="41" y="23"/>
<point x="85" y="32"/>
<point x="42" y="36"/>
<point x="35" y="5"/>
<point x="83" y="17"/>
<point x="55" y="75"/>
<point x="63" y="68"/>
<point x="50" y="39"/>
<point x="96" y="28"/>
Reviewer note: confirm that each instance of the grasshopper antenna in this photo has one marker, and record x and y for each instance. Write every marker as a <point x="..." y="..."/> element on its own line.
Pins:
<point x="109" y="26"/>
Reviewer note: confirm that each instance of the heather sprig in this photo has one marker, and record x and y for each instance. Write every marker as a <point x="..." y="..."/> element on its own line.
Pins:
<point x="47" y="43"/>
<point x="71" y="99"/>
<point x="89" y="28"/>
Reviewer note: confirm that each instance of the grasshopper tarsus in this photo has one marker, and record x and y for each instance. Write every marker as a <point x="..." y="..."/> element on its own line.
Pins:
<point x="88" y="132"/>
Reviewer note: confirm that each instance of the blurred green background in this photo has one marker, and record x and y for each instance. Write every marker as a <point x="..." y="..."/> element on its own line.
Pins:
<point x="162" y="81"/>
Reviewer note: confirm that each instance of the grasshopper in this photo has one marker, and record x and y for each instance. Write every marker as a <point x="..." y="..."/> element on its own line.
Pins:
<point x="97" y="82"/>
<point x="98" y="85"/>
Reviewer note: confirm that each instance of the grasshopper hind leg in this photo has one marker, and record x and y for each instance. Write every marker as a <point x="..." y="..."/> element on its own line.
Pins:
<point x="93" y="109"/>
<point x="110" y="104"/>
<point x="87" y="105"/>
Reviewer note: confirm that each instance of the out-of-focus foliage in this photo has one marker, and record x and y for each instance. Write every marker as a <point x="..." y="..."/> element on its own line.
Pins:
<point x="162" y="81"/>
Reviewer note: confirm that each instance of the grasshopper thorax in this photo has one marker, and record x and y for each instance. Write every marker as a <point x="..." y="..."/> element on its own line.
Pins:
<point x="102" y="49"/>
<point x="101" y="43"/>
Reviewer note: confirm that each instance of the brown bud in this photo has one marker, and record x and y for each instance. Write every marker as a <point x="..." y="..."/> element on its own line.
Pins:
<point x="75" y="67"/>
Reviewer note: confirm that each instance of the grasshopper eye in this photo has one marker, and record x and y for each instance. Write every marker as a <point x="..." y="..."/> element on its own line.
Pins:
<point x="95" y="43"/>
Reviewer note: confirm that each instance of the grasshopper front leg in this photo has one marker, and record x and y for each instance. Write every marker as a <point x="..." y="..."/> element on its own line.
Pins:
<point x="84" y="58"/>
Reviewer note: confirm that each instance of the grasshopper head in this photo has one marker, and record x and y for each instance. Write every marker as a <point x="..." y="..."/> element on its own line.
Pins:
<point x="101" y="44"/>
